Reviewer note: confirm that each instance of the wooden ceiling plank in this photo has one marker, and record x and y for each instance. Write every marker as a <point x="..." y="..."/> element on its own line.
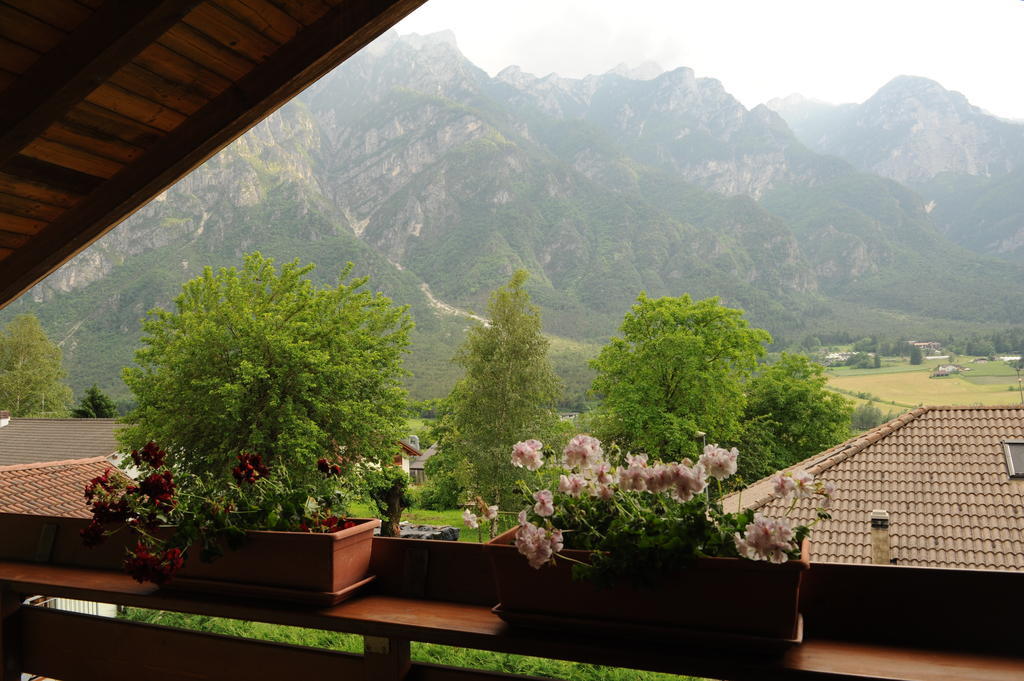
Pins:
<point x="178" y="69"/>
<point x="136" y="107"/>
<point x="10" y="240"/>
<point x="26" y="30"/>
<point x="6" y="78"/>
<point x="230" y="32"/>
<point x="152" y="86"/>
<point x="16" y="58"/>
<point x="105" y="42"/>
<point x="68" y="156"/>
<point x="94" y="141"/>
<point x="264" y="17"/>
<point x="37" y="192"/>
<point x="113" y="124"/>
<point x="26" y="208"/>
<point x="316" y="50"/>
<point x="20" y="225"/>
<point x="4" y="252"/>
<point x="200" y="48"/>
<point x="66" y="15"/>
<point x="305" y="11"/>
<point x="33" y="172"/>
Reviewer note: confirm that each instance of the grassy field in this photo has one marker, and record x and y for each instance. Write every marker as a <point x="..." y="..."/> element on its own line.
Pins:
<point x="911" y="386"/>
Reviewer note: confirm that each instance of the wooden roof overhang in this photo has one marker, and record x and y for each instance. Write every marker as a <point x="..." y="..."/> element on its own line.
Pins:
<point x="103" y="105"/>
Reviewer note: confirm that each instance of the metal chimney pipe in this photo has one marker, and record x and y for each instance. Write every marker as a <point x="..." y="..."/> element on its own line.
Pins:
<point x="880" y="552"/>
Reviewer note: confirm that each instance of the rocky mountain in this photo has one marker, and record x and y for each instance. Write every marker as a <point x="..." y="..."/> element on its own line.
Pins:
<point x="966" y="163"/>
<point x="439" y="181"/>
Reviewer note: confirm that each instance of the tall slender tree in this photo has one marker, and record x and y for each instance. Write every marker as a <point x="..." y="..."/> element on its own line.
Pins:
<point x="31" y="371"/>
<point x="508" y="393"/>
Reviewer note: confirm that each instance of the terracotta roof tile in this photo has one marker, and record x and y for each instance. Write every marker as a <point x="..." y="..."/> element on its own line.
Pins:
<point x="50" y="488"/>
<point x="941" y="474"/>
<point x="35" y="440"/>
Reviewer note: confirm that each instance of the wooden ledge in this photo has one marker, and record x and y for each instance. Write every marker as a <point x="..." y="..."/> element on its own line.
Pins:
<point x="475" y="626"/>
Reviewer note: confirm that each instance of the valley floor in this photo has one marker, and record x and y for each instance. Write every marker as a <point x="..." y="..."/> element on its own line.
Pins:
<point x="994" y="383"/>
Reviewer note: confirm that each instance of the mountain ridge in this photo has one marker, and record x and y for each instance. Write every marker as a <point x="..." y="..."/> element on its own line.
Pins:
<point x="435" y="177"/>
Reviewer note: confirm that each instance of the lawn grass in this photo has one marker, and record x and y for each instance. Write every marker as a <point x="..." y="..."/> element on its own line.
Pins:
<point x="421" y="652"/>
<point x="422" y="516"/>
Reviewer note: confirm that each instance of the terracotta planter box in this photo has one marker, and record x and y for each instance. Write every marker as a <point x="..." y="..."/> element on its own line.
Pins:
<point x="305" y="567"/>
<point x="713" y="598"/>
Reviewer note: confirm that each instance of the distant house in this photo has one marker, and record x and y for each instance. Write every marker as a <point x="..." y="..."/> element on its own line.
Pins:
<point x="947" y="483"/>
<point x="927" y="347"/>
<point x="25" y="441"/>
<point x="946" y="370"/>
<point x="418" y="461"/>
<point x="834" y="358"/>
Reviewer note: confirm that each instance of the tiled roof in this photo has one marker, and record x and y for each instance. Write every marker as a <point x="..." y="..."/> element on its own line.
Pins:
<point x="37" y="440"/>
<point x="941" y="474"/>
<point x="51" y="488"/>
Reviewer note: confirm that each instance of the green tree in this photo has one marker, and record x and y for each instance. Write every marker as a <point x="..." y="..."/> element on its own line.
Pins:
<point x="789" y="416"/>
<point x="95" y="404"/>
<point x="31" y="371"/>
<point x="877" y="362"/>
<point x="508" y="394"/>
<point x="259" y="360"/>
<point x="915" y="355"/>
<point x="678" y="369"/>
<point x="866" y="416"/>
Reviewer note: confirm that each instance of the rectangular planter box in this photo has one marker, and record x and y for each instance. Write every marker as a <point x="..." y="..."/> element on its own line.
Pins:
<point x="729" y="596"/>
<point x="308" y="567"/>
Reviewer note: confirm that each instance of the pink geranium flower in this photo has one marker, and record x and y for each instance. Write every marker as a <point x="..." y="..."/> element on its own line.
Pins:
<point x="718" y="462"/>
<point x="583" y="451"/>
<point x="572" y="484"/>
<point x="544" y="506"/>
<point x="766" y="539"/>
<point x="527" y="454"/>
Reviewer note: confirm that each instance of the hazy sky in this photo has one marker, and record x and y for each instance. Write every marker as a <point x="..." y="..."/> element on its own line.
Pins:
<point x="837" y="51"/>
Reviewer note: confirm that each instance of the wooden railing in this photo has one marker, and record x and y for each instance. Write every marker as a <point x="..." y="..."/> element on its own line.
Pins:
<point x="860" y="622"/>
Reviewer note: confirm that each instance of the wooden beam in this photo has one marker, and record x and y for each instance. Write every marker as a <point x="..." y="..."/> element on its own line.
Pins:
<point x="386" y="659"/>
<point x="74" y="647"/>
<point x="62" y="77"/>
<point x="317" y="49"/>
<point x="10" y="635"/>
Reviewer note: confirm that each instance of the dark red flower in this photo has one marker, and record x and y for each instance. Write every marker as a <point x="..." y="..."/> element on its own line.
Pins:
<point x="110" y="511"/>
<point x="250" y="468"/>
<point x="145" y="566"/>
<point x="159" y="487"/>
<point x="328" y="468"/>
<point x="151" y="455"/>
<point x="329" y="524"/>
<point x="93" y="534"/>
<point x="101" y="483"/>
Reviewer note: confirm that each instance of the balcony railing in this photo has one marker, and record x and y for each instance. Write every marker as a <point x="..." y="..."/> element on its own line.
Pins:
<point x="860" y="622"/>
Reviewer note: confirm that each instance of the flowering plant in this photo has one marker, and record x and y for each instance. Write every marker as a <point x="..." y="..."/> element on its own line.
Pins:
<point x="642" y="519"/>
<point x="171" y="515"/>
